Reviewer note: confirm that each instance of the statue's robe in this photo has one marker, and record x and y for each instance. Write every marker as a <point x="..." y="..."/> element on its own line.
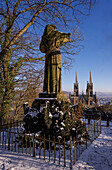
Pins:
<point x="50" y="44"/>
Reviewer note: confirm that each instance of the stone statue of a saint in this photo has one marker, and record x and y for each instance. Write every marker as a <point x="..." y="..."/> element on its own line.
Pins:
<point x="51" y="42"/>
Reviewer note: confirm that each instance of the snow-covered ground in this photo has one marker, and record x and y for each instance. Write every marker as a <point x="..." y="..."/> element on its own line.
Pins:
<point x="98" y="156"/>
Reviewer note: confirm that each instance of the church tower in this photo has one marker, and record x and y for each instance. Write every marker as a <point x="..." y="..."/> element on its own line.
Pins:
<point x="89" y="91"/>
<point x="76" y="90"/>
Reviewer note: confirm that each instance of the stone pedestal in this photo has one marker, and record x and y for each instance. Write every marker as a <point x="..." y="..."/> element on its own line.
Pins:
<point x="58" y="96"/>
<point x="45" y="97"/>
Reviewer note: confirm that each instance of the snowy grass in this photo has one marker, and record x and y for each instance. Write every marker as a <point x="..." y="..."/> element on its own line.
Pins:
<point x="98" y="156"/>
<point x="76" y="152"/>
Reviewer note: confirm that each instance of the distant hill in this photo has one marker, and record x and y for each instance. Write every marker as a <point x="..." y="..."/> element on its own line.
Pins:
<point x="104" y="94"/>
<point x="99" y="94"/>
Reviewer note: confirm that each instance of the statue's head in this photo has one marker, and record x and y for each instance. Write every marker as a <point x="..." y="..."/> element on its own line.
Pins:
<point x="53" y="39"/>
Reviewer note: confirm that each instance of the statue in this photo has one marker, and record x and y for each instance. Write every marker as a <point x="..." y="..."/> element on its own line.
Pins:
<point x="52" y="41"/>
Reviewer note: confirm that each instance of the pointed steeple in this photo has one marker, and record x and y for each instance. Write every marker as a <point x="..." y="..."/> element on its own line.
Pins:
<point x="76" y="90"/>
<point x="76" y="78"/>
<point x="90" y="80"/>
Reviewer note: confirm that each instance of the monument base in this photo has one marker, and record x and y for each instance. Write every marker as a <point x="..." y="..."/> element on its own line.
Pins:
<point x="59" y="96"/>
<point x="44" y="97"/>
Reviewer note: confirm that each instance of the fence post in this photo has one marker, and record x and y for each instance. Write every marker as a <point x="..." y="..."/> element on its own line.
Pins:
<point x="17" y="125"/>
<point x="10" y="123"/>
<point x="26" y="142"/>
<point x="22" y="142"/>
<point x="30" y="142"/>
<point x="3" y="129"/>
<point x="34" y="148"/>
<point x="49" y="148"/>
<point x="39" y="146"/>
<point x="44" y="146"/>
<point x="100" y="124"/>
<point x="54" y="151"/>
<point x="86" y="141"/>
<point x="59" y="151"/>
<point x="3" y="134"/>
<point x="1" y="124"/>
<point x="97" y="127"/>
<point x="64" y="153"/>
<point x="18" y="141"/>
<point x="0" y="134"/>
<point x="70" y="152"/>
<point x="74" y="150"/>
<point x="15" y="141"/>
<point x="94" y="126"/>
<point x="88" y="120"/>
<point x="5" y="140"/>
<point x="9" y="140"/>
<point x="107" y="121"/>
<point x="12" y="141"/>
<point x="79" y="149"/>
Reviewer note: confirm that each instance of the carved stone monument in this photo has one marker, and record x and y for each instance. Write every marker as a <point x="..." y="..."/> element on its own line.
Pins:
<point x="52" y="41"/>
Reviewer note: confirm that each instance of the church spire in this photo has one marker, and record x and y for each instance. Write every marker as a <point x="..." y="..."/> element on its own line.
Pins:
<point x="90" y="81"/>
<point x="76" y="90"/>
<point x="76" y="78"/>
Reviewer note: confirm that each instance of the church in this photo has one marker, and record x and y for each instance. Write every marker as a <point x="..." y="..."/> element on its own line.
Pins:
<point x="87" y="100"/>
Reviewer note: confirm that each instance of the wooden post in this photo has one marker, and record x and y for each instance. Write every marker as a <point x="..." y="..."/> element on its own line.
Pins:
<point x="17" y="125"/>
<point x="30" y="142"/>
<point x="100" y="125"/>
<point x="12" y="141"/>
<point x="9" y="140"/>
<point x="86" y="141"/>
<point x="20" y="123"/>
<point x="107" y="122"/>
<point x="70" y="152"/>
<point x="88" y="120"/>
<point x="1" y="124"/>
<point x="39" y="146"/>
<point x="64" y="153"/>
<point x="18" y="142"/>
<point x="35" y="144"/>
<point x="74" y="150"/>
<point x="54" y="150"/>
<point x="79" y="149"/>
<point x="44" y="146"/>
<point x="94" y="127"/>
<point x="0" y="134"/>
<point x="26" y="142"/>
<point x="34" y="148"/>
<point x="5" y="139"/>
<point x="97" y="127"/>
<point x="49" y="148"/>
<point x="22" y="142"/>
<point x="10" y="123"/>
<point x="14" y="124"/>
<point x="15" y="141"/>
<point x="3" y="129"/>
<point x="59" y="151"/>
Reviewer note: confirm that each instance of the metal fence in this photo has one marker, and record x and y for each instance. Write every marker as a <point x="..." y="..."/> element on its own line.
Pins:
<point x="64" y="153"/>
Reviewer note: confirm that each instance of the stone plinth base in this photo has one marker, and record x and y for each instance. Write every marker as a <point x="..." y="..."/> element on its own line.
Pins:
<point x="59" y="96"/>
<point x="44" y="97"/>
<point x="41" y="102"/>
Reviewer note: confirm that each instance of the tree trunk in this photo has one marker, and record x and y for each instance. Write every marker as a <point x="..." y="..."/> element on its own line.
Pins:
<point x="7" y="86"/>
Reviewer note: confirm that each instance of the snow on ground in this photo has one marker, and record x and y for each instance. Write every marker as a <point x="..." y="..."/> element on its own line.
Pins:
<point x="98" y="156"/>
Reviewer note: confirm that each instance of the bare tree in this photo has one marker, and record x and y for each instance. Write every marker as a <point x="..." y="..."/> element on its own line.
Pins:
<point x="21" y="22"/>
